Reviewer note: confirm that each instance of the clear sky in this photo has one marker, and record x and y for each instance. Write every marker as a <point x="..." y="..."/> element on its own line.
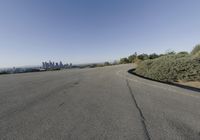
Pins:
<point x="81" y="31"/>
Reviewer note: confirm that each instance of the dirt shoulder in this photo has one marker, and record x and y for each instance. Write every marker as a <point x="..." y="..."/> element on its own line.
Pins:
<point x="195" y="84"/>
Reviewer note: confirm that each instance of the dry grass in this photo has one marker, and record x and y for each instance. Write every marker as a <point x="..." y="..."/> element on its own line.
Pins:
<point x="191" y="83"/>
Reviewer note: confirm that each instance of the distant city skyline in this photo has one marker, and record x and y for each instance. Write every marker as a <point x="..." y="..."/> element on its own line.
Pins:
<point x="92" y="31"/>
<point x="55" y="65"/>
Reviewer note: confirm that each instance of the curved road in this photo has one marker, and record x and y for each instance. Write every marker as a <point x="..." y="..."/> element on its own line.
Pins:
<point x="95" y="104"/>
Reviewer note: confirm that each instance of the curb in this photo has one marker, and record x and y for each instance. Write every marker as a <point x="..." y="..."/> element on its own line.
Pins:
<point x="131" y="71"/>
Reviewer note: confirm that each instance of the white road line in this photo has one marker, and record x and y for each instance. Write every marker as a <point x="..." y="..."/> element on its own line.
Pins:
<point x="169" y="89"/>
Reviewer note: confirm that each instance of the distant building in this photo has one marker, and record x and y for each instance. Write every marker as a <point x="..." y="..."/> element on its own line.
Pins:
<point x="55" y="65"/>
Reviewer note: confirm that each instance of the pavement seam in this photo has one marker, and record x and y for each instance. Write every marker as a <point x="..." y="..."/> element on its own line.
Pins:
<point x="139" y="110"/>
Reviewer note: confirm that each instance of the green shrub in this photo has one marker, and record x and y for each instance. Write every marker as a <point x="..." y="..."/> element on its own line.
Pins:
<point x="183" y="53"/>
<point x="197" y="54"/>
<point x="171" y="68"/>
<point x="196" y="49"/>
<point x="4" y="72"/>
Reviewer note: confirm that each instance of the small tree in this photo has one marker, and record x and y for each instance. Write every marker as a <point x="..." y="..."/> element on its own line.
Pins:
<point x="153" y="56"/>
<point x="132" y="58"/>
<point x="143" y="56"/>
<point x="170" y="52"/>
<point x="106" y="63"/>
<point x="124" y="60"/>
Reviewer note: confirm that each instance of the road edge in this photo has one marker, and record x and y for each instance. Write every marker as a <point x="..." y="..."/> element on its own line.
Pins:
<point x="131" y="71"/>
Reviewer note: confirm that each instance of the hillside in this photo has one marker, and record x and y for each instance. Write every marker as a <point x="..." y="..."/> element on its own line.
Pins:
<point x="182" y="67"/>
<point x="171" y="68"/>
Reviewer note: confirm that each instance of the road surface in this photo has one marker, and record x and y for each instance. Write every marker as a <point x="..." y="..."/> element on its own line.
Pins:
<point x="95" y="104"/>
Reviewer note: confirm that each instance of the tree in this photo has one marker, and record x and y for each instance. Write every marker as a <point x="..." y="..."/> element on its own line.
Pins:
<point x="153" y="56"/>
<point x="143" y="56"/>
<point x="106" y="63"/>
<point x="170" y="52"/>
<point x="124" y="60"/>
<point x="132" y="58"/>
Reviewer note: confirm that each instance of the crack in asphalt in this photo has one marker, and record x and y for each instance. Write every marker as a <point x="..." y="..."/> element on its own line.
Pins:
<point x="61" y="104"/>
<point x="140" y="111"/>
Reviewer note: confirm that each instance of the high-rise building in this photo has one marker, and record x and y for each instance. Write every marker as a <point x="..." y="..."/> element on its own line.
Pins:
<point x="55" y="65"/>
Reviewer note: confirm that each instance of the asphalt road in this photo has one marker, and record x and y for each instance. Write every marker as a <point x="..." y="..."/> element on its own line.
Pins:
<point x="95" y="104"/>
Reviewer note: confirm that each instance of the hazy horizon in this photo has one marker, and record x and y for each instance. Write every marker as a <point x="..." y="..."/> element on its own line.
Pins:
<point x="89" y="31"/>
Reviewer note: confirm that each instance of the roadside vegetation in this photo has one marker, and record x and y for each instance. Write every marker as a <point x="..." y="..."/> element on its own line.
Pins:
<point x="170" y="67"/>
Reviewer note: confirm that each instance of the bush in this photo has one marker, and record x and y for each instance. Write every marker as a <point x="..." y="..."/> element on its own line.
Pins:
<point x="183" y="53"/>
<point x="4" y="72"/>
<point x="197" y="54"/>
<point x="171" y="68"/>
<point x="196" y="49"/>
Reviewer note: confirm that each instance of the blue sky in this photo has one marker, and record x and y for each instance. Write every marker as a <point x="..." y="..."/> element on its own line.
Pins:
<point x="82" y="31"/>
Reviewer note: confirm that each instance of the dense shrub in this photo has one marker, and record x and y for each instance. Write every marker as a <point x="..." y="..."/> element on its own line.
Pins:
<point x="171" y="68"/>
<point x="196" y="49"/>
<point x="183" y="53"/>
<point x="4" y="72"/>
<point x="197" y="54"/>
